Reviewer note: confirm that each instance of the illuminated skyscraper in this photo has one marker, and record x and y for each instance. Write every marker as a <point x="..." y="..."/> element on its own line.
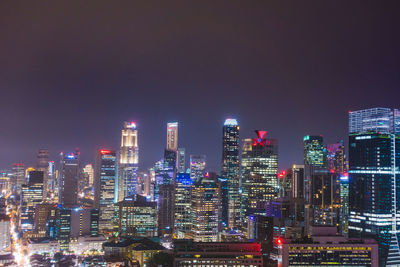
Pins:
<point x="205" y="209"/>
<point x="336" y="158"/>
<point x="104" y="187"/>
<point x="43" y="165"/>
<point x="197" y="167"/>
<point x="183" y="204"/>
<point x="314" y="151"/>
<point x="259" y="173"/>
<point x="344" y="205"/>
<point x="374" y="195"/>
<point x="230" y="170"/>
<point x="31" y="195"/>
<point x="128" y="161"/>
<point x="18" y="177"/>
<point x="181" y="164"/>
<point x="68" y="179"/>
<point x="172" y="136"/>
<point x="89" y="172"/>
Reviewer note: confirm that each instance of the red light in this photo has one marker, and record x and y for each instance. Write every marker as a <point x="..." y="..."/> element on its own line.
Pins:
<point x="279" y="241"/>
<point x="332" y="170"/>
<point x="105" y="151"/>
<point x="282" y="174"/>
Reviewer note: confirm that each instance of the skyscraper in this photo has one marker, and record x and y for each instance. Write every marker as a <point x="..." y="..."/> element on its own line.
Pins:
<point x="181" y="164"/>
<point x="172" y="136"/>
<point x="259" y="173"/>
<point x="183" y="204"/>
<point x="314" y="151"/>
<point x="31" y="195"/>
<point x="374" y="200"/>
<point x="197" y="167"/>
<point x="230" y="170"/>
<point x="104" y="187"/>
<point x="18" y="177"/>
<point x="128" y="161"/>
<point x="336" y="158"/>
<point x="68" y="179"/>
<point x="205" y="209"/>
<point x="43" y="165"/>
<point x="89" y="172"/>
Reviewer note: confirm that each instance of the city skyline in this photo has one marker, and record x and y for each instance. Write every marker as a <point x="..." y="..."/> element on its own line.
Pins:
<point x="66" y="86"/>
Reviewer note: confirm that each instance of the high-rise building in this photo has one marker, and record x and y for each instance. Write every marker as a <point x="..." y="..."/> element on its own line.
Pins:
<point x="68" y="179"/>
<point x="31" y="195"/>
<point x="5" y="238"/>
<point x="128" y="161"/>
<point x="259" y="173"/>
<point x="64" y="228"/>
<point x="172" y="136"/>
<point x="197" y="167"/>
<point x="205" y="209"/>
<point x="104" y="187"/>
<point x="181" y="161"/>
<point x="183" y="204"/>
<point x="89" y="172"/>
<point x="314" y="151"/>
<point x="336" y="158"/>
<point x="43" y="165"/>
<point x="230" y="170"/>
<point x="18" y="177"/>
<point x="344" y="204"/>
<point x="52" y="185"/>
<point x="135" y="216"/>
<point x="374" y="196"/>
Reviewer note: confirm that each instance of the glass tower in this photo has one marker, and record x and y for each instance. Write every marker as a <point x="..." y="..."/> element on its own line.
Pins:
<point x="259" y="173"/>
<point x="197" y="167"/>
<point x="374" y="193"/>
<point x="128" y="161"/>
<point x="104" y="191"/>
<point x="230" y="170"/>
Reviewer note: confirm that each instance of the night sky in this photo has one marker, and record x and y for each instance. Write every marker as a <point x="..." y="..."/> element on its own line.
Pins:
<point x="71" y="73"/>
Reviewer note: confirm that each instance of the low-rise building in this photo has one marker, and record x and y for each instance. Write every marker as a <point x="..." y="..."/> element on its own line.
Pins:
<point x="189" y="253"/>
<point x="326" y="248"/>
<point x="43" y="246"/>
<point x="139" y="249"/>
<point x="87" y="245"/>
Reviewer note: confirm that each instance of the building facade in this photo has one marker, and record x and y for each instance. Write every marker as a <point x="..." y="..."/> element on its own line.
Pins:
<point x="230" y="170"/>
<point x="68" y="179"/>
<point x="128" y="162"/>
<point x="105" y="177"/>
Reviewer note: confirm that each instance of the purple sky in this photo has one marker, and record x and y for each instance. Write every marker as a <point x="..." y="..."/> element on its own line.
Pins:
<point x="71" y="73"/>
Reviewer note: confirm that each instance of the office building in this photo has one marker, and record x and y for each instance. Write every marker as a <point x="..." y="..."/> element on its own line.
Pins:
<point x="344" y="204"/>
<point x="336" y="158"/>
<point x="18" y="177"/>
<point x="230" y="170"/>
<point x="326" y="248"/>
<point x="104" y="187"/>
<point x="189" y="253"/>
<point x="205" y="209"/>
<point x="31" y="195"/>
<point x="374" y="154"/>
<point x="64" y="228"/>
<point x="68" y="179"/>
<point x="181" y="161"/>
<point x="43" y="165"/>
<point x="314" y="151"/>
<point x="88" y="172"/>
<point x="135" y="216"/>
<point x="128" y="161"/>
<point x="183" y="204"/>
<point x="224" y="207"/>
<point x="197" y="167"/>
<point x="46" y="220"/>
<point x="172" y="136"/>
<point x="5" y="237"/>
<point x="259" y="173"/>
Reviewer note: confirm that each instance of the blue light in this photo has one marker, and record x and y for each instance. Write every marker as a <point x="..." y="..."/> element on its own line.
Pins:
<point x="344" y="178"/>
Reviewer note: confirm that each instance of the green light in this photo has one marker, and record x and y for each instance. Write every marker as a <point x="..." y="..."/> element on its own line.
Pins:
<point x="307" y="137"/>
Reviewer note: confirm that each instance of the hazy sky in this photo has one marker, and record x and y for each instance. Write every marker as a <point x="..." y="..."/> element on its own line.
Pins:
<point x="72" y="71"/>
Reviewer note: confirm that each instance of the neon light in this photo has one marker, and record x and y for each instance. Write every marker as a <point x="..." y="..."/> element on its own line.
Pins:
<point x="105" y="151"/>
<point x="261" y="140"/>
<point x="132" y="124"/>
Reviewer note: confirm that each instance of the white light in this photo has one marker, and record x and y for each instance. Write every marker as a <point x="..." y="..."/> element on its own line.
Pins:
<point x="231" y="122"/>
